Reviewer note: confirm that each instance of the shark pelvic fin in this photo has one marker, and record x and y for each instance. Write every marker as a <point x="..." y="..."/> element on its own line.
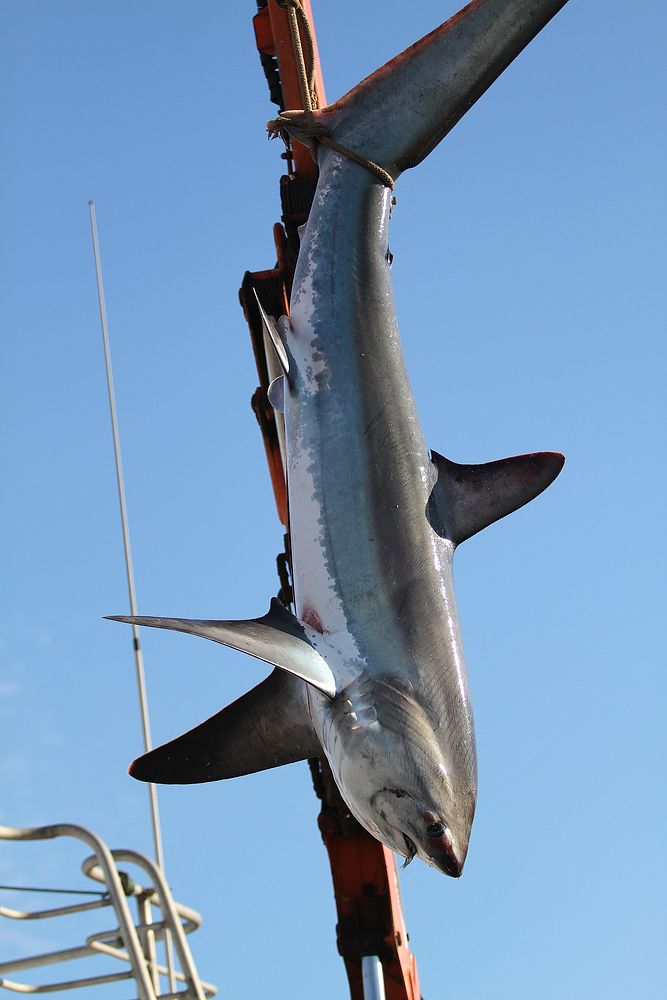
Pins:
<point x="276" y="394"/>
<point x="274" y="335"/>
<point x="265" y="728"/>
<point x="278" y="638"/>
<point x="467" y="498"/>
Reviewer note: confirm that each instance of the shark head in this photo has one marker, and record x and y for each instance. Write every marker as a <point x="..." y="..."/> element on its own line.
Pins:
<point x="412" y="793"/>
<point x="434" y="832"/>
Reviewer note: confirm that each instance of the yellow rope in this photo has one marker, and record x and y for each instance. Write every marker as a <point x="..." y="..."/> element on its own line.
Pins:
<point x="375" y="168"/>
<point x="311" y="129"/>
<point x="296" y="14"/>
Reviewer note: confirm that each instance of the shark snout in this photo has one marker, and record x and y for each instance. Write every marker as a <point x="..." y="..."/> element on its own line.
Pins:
<point x="444" y="849"/>
<point x="443" y="856"/>
<point x="413" y="829"/>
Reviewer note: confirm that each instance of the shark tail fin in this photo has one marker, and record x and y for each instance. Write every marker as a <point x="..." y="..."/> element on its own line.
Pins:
<point x="399" y="113"/>
<point x="467" y="498"/>
<point x="265" y="728"/>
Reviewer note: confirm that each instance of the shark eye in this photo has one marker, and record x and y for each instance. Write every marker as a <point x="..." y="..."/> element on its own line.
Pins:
<point x="436" y="830"/>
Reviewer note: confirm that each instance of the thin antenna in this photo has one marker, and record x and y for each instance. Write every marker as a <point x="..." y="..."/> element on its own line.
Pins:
<point x="138" y="657"/>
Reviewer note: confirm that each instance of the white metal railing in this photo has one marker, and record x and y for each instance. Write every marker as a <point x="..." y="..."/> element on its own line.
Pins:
<point x="134" y="943"/>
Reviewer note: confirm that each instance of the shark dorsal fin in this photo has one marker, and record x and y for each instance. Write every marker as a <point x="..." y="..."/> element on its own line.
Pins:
<point x="467" y="498"/>
<point x="278" y="638"/>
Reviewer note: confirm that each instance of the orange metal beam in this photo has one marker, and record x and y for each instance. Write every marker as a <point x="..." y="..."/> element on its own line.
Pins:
<point x="273" y="37"/>
<point x="368" y="896"/>
<point x="272" y="290"/>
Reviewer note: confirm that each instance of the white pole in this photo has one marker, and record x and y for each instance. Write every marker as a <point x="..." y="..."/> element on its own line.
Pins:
<point x="138" y="657"/>
<point x="372" y="978"/>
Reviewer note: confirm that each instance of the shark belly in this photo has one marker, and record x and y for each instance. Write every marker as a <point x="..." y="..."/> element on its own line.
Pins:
<point x="359" y="472"/>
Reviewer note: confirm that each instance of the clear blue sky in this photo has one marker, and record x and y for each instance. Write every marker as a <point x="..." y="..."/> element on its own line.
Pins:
<point x="529" y="275"/>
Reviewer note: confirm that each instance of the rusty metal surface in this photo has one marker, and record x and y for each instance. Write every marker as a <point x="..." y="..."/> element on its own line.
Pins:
<point x="273" y="38"/>
<point x="273" y="291"/>
<point x="368" y="901"/>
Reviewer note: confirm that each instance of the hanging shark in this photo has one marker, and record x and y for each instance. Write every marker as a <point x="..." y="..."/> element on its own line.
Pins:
<point x="370" y="670"/>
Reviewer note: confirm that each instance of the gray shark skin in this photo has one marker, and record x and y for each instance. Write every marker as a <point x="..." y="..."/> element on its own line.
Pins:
<point x="371" y="670"/>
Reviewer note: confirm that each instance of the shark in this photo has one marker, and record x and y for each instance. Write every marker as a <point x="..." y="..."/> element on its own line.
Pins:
<point x="369" y="671"/>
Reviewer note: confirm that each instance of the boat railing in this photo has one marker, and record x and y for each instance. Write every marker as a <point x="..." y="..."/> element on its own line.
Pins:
<point x="133" y="942"/>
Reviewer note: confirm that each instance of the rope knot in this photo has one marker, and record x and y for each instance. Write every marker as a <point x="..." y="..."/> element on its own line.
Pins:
<point x="312" y="131"/>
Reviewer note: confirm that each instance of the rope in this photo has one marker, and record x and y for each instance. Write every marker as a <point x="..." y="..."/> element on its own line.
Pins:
<point x="375" y="168"/>
<point x="308" y="126"/>
<point x="317" y="132"/>
<point x="67" y="892"/>
<point x="296" y="14"/>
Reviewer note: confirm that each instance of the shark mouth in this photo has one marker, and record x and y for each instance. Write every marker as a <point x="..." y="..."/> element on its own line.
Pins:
<point x="411" y="849"/>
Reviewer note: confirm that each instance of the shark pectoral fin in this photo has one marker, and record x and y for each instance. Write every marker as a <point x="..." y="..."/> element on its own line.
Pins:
<point x="265" y="728"/>
<point x="278" y="638"/>
<point x="276" y="394"/>
<point x="467" y="498"/>
<point x="274" y="335"/>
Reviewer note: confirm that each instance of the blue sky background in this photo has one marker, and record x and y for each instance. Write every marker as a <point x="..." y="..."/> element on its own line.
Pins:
<point x="529" y="277"/>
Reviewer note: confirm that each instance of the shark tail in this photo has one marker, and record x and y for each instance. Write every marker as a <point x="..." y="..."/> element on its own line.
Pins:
<point x="396" y="116"/>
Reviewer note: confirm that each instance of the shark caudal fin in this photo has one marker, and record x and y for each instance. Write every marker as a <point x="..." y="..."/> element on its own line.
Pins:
<point x="278" y="638"/>
<point x="265" y="728"/>
<point x="399" y="113"/>
<point x="467" y="498"/>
